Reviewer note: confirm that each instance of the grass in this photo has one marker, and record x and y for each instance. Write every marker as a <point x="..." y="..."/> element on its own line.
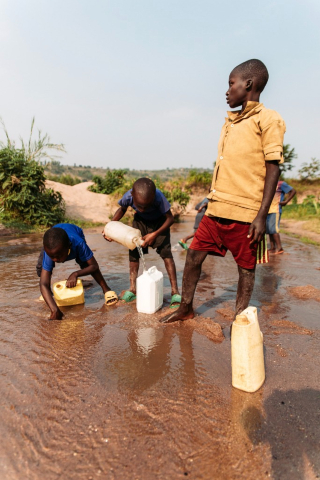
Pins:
<point x="303" y="239"/>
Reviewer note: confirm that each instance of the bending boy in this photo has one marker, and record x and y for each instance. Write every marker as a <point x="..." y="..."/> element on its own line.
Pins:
<point x="243" y="185"/>
<point x="153" y="218"/>
<point x="61" y="243"/>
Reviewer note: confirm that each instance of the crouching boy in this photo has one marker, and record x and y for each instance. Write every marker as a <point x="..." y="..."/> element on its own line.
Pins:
<point x="62" y="243"/>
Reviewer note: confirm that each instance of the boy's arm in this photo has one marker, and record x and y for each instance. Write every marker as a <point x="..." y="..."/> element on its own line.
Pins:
<point x="116" y="217"/>
<point x="258" y="226"/>
<point x="45" y="280"/>
<point x="289" y="197"/>
<point x="93" y="267"/>
<point x="150" y="237"/>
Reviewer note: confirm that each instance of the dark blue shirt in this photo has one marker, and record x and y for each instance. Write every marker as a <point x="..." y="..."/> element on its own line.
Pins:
<point x="159" y="207"/>
<point x="79" y="248"/>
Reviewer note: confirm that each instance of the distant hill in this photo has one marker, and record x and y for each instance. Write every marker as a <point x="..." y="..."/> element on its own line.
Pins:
<point x="86" y="173"/>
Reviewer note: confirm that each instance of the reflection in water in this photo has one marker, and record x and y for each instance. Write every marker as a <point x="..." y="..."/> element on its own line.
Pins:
<point x="146" y="356"/>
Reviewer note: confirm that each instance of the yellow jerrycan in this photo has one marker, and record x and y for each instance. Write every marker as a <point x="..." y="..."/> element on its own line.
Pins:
<point x="247" y="361"/>
<point x="66" y="297"/>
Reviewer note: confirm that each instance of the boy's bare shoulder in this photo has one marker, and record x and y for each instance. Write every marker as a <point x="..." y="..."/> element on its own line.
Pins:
<point x="268" y="116"/>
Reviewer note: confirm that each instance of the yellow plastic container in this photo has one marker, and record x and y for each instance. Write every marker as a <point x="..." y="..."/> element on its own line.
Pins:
<point x="66" y="297"/>
<point x="247" y="361"/>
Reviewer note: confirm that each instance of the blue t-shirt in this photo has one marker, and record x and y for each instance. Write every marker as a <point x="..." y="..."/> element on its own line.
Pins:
<point x="159" y="208"/>
<point x="282" y="188"/>
<point x="79" y="248"/>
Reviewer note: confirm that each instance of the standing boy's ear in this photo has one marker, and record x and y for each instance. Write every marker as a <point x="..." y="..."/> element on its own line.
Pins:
<point x="249" y="84"/>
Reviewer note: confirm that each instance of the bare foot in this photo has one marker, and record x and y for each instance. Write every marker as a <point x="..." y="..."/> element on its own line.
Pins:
<point x="277" y="252"/>
<point x="184" y="312"/>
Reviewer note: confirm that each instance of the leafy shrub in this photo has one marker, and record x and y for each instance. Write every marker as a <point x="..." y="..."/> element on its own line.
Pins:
<point x="310" y="207"/>
<point x="23" y="193"/>
<point x="310" y="171"/>
<point x="199" y="179"/>
<point x="112" y="181"/>
<point x="65" y="179"/>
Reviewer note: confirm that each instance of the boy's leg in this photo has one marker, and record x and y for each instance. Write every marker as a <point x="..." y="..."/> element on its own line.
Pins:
<point x="96" y="275"/>
<point x="272" y="242"/>
<point x="134" y="268"/>
<point x="245" y="287"/>
<point x="277" y="240"/>
<point x="191" y="275"/>
<point x="101" y="281"/>
<point x="172" y="274"/>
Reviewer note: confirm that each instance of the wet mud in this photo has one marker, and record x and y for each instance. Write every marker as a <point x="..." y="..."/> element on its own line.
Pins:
<point x="109" y="393"/>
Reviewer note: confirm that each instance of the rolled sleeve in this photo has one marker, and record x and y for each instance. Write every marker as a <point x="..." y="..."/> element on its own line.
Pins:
<point x="272" y="140"/>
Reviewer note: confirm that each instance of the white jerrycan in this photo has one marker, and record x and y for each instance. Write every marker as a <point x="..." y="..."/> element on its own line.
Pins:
<point x="121" y="233"/>
<point x="150" y="291"/>
<point x="248" y="372"/>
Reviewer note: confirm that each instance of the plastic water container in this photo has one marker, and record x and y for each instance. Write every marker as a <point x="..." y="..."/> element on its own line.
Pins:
<point x="121" y="233"/>
<point x="150" y="291"/>
<point x="247" y="361"/>
<point x="65" y="296"/>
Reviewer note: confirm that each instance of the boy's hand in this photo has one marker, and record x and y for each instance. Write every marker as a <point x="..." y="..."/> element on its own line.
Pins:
<point x="56" y="315"/>
<point x="106" y="238"/>
<point x="257" y="229"/>
<point x="149" y="239"/>
<point x="72" y="280"/>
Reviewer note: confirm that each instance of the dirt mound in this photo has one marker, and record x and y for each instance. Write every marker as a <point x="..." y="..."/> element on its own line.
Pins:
<point x="306" y="292"/>
<point x="82" y="204"/>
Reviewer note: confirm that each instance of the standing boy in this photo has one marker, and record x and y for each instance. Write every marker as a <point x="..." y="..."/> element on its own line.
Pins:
<point x="243" y="185"/>
<point x="153" y="218"/>
<point x="274" y="215"/>
<point x="61" y="243"/>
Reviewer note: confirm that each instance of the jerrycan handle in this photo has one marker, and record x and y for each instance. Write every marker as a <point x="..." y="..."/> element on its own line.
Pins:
<point x="152" y="269"/>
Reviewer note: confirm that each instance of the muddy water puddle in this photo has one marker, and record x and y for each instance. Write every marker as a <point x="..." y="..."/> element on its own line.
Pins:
<point x="109" y="393"/>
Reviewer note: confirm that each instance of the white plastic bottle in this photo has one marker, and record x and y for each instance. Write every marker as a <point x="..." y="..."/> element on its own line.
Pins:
<point x="247" y="361"/>
<point x="150" y="291"/>
<point x="121" y="233"/>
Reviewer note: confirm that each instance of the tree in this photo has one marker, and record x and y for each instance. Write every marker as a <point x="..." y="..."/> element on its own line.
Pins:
<point x="310" y="171"/>
<point x="288" y="156"/>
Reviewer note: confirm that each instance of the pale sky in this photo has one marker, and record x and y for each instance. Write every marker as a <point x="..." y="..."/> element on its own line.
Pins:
<point x="141" y="83"/>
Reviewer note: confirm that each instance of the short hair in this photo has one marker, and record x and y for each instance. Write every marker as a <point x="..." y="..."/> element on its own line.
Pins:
<point x="254" y="69"/>
<point x="55" y="237"/>
<point x="144" y="187"/>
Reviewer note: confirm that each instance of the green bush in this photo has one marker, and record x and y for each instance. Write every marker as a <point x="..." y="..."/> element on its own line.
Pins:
<point x="199" y="179"/>
<point x="113" y="180"/>
<point x="310" y="207"/>
<point x="23" y="193"/>
<point x="65" y="179"/>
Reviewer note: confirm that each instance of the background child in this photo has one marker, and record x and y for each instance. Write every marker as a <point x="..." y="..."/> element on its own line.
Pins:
<point x="243" y="185"/>
<point x="153" y="218"/>
<point x="274" y="215"/>
<point x="61" y="243"/>
<point x="201" y="207"/>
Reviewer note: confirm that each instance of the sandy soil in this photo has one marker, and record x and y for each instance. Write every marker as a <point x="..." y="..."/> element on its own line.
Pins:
<point x="82" y="204"/>
<point x="297" y="227"/>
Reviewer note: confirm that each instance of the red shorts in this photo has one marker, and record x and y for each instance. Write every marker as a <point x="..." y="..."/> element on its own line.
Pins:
<point x="218" y="235"/>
